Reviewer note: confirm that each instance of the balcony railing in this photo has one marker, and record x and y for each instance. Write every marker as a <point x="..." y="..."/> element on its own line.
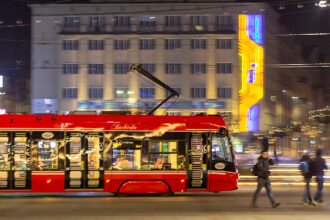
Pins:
<point x="224" y="27"/>
<point x="108" y="29"/>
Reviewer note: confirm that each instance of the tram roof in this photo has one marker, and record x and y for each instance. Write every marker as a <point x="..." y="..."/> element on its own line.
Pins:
<point x="99" y="123"/>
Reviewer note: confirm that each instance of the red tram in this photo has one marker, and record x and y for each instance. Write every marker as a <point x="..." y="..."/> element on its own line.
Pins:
<point x="115" y="153"/>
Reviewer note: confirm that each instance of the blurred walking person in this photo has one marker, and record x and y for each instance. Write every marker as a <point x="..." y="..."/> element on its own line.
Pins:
<point x="305" y="169"/>
<point x="318" y="167"/>
<point x="261" y="170"/>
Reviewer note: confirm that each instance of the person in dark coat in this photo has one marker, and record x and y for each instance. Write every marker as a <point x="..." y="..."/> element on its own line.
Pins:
<point x="318" y="167"/>
<point x="263" y="166"/>
<point x="305" y="168"/>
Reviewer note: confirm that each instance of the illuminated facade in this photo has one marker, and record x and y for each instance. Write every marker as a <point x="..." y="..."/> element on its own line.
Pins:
<point x="214" y="57"/>
<point x="251" y="52"/>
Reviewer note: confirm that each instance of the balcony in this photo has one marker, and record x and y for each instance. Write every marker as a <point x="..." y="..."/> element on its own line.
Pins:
<point x="225" y="28"/>
<point x="142" y="29"/>
<point x="97" y="29"/>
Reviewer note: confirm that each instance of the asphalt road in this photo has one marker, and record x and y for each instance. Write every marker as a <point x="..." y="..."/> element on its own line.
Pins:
<point x="222" y="206"/>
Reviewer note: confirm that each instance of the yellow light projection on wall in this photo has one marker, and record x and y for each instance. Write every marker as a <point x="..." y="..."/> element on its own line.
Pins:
<point x="251" y="54"/>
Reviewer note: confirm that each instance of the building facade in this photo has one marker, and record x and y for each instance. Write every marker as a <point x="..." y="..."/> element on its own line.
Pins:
<point x="213" y="54"/>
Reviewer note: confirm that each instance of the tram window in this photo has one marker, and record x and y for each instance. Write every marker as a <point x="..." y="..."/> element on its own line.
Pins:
<point x="4" y="160"/>
<point x="107" y="151"/>
<point x="93" y="152"/>
<point x="163" y="155"/>
<point x="20" y="156"/>
<point x="221" y="149"/>
<point x="163" y="147"/>
<point x="75" y="156"/>
<point x="126" y="159"/>
<point x="47" y="155"/>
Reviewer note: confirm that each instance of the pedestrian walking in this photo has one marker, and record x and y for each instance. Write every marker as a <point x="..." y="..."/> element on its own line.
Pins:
<point x="261" y="170"/>
<point x="318" y="167"/>
<point x="305" y="169"/>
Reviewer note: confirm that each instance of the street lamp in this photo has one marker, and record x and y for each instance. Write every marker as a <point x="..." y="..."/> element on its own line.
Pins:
<point x="322" y="4"/>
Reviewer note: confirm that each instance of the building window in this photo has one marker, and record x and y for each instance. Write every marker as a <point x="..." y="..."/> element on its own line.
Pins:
<point x="173" y="20"/>
<point x="70" y="45"/>
<point x="173" y="113"/>
<point x="70" y="68"/>
<point x="224" y="43"/>
<point x="147" y="92"/>
<point x="198" y="44"/>
<point x="72" y="22"/>
<point x="148" y="21"/>
<point x="173" y="68"/>
<point x="149" y="67"/>
<point x="177" y="89"/>
<point x="121" y="44"/>
<point x="224" y="93"/>
<point x="95" y="68"/>
<point x="95" y="93"/>
<point x="198" y="92"/>
<point x="122" y="21"/>
<point x="198" y="20"/>
<point x="198" y="113"/>
<point x="198" y="68"/>
<point x="147" y="44"/>
<point x="224" y="20"/>
<point x="122" y="92"/>
<point x="121" y="68"/>
<point x="70" y="93"/>
<point x="97" y="23"/>
<point x="224" y="67"/>
<point x="171" y="44"/>
<point x="96" y="44"/>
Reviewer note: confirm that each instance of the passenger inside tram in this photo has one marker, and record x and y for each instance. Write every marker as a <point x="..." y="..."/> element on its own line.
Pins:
<point x="122" y="163"/>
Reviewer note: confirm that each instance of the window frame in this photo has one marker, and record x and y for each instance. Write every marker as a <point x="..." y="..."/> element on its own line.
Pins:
<point x="96" y="44"/>
<point x="99" y="91"/>
<point x="96" y="68"/>
<point x="198" y="43"/>
<point x="120" y="68"/>
<point x="172" y="43"/>
<point x="150" y="91"/>
<point x="172" y="20"/>
<point x="200" y="91"/>
<point x="121" y="44"/>
<point x="225" y="92"/>
<point x="70" y="44"/>
<point x="122" y="21"/>
<point x="173" y="68"/>
<point x="70" y="93"/>
<point x="70" y="68"/>
<point x="147" y="44"/>
<point x="196" y="68"/>
<point x="225" y="44"/>
<point x="224" y="68"/>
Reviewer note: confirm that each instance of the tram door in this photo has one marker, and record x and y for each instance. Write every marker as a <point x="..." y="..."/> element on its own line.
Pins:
<point x="4" y="161"/>
<point x="14" y="161"/>
<point x="84" y="164"/>
<point x="197" y="172"/>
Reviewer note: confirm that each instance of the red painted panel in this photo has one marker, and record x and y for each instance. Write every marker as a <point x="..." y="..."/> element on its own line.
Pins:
<point x="222" y="181"/>
<point x="172" y="178"/>
<point x="48" y="182"/>
<point x="182" y="183"/>
<point x="144" y="186"/>
<point x="107" y="182"/>
<point x="110" y="122"/>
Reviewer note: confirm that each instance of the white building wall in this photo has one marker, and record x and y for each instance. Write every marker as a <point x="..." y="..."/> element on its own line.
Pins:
<point x="48" y="83"/>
